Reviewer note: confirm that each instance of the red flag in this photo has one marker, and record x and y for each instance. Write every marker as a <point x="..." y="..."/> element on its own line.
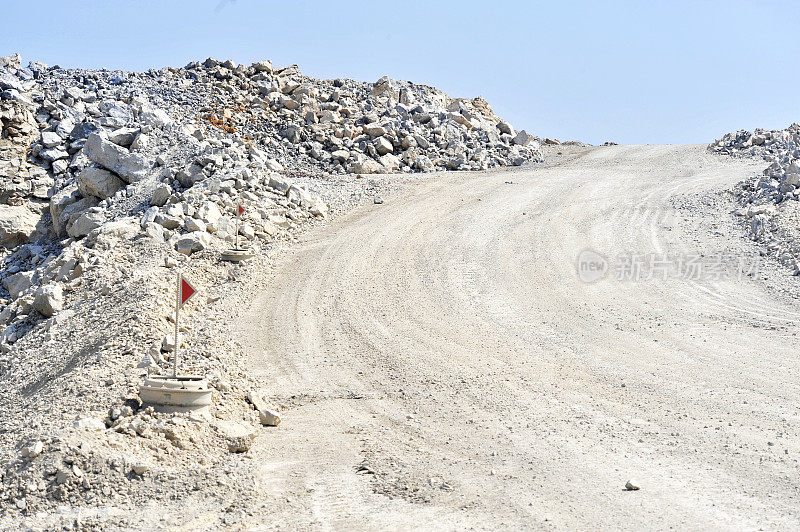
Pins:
<point x="241" y="210"/>
<point x="187" y="291"/>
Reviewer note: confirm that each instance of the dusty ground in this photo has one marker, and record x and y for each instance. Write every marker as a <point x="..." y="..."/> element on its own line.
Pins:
<point x="441" y="364"/>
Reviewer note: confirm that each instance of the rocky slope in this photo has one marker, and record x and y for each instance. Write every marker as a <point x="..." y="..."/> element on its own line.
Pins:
<point x="770" y="207"/>
<point x="112" y="181"/>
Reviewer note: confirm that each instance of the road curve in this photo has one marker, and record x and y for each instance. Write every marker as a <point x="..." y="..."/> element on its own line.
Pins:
<point x="442" y="364"/>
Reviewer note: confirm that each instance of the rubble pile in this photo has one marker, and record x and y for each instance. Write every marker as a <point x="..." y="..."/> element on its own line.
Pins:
<point x="780" y="149"/>
<point x="347" y="126"/>
<point x="170" y="153"/>
<point x="769" y="201"/>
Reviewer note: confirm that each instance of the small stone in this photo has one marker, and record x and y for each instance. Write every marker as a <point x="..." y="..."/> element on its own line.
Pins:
<point x="257" y="400"/>
<point x="223" y="386"/>
<point x="168" y="343"/>
<point x="191" y="242"/>
<point x="378" y="200"/>
<point x="269" y="418"/>
<point x="140" y="468"/>
<point x="631" y="485"/>
<point x="32" y="451"/>
<point x="90" y="423"/>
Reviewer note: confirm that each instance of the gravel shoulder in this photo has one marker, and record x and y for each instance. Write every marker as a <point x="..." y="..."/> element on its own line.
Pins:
<point x="439" y="362"/>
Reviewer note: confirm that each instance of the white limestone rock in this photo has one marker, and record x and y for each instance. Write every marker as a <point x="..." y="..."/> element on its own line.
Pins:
<point x="49" y="299"/>
<point x="97" y="182"/>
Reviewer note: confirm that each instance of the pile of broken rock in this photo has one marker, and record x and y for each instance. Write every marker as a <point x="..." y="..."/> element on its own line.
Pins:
<point x="170" y="153"/>
<point x="769" y="201"/>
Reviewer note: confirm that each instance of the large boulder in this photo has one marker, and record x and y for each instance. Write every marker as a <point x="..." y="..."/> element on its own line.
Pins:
<point x="209" y="213"/>
<point x="141" y="142"/>
<point x="90" y="424"/>
<point x="383" y="145"/>
<point x="278" y="184"/>
<point x="268" y="417"/>
<point x="390" y="162"/>
<point x="193" y="224"/>
<point x="423" y="163"/>
<point x="18" y="283"/>
<point x="299" y="196"/>
<point x="53" y="154"/>
<point x="131" y="167"/>
<point x="10" y="82"/>
<point x="238" y="435"/>
<point x="49" y="299"/>
<point x="263" y="66"/>
<point x="94" y="181"/>
<point x="123" y="229"/>
<point x="58" y="203"/>
<point x="85" y="224"/>
<point x="506" y="128"/>
<point x="17" y="225"/>
<point x="340" y="155"/>
<point x="374" y="130"/>
<point x="50" y="139"/>
<point x="123" y="136"/>
<point x="74" y="211"/>
<point x="161" y="195"/>
<point x="154" y="116"/>
<point x="523" y="138"/>
<point x="116" y="114"/>
<point x="12" y="61"/>
<point x="367" y="166"/>
<point x="274" y="165"/>
<point x="190" y="175"/>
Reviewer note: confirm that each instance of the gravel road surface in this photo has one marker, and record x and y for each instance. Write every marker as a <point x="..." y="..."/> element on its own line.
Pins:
<point x="442" y="364"/>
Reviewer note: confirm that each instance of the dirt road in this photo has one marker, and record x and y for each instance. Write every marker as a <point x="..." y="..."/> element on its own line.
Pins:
<point x="442" y="364"/>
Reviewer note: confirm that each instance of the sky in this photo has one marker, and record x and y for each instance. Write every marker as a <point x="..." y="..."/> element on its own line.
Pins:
<point x="632" y="72"/>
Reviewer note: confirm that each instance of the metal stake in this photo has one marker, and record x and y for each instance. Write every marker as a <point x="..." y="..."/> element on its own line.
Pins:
<point x="177" y="316"/>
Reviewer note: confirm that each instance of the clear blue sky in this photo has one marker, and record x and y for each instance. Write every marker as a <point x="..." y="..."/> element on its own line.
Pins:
<point x="632" y="72"/>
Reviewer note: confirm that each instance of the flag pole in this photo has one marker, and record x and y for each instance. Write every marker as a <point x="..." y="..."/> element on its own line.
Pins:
<point x="177" y="315"/>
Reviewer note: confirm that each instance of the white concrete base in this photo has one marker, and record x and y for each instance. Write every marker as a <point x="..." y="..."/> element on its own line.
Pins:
<point x="186" y="393"/>
<point x="237" y="255"/>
